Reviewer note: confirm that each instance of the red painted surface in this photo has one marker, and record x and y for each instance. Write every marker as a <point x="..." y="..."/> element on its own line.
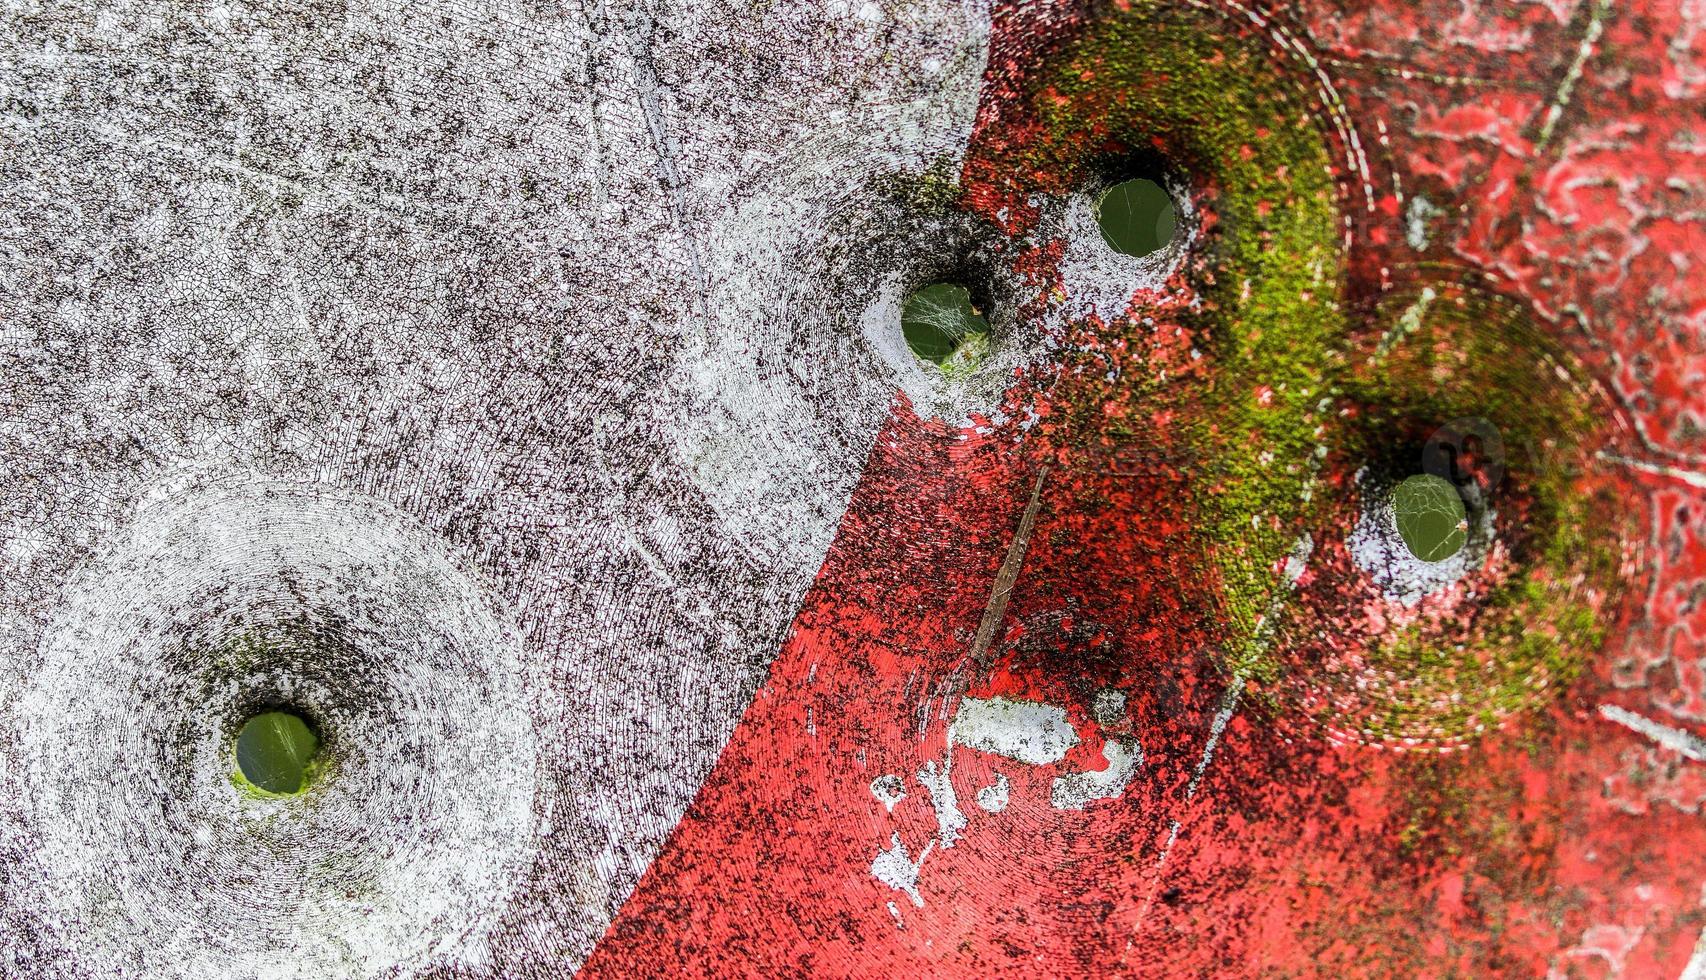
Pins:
<point x="1561" y="843"/>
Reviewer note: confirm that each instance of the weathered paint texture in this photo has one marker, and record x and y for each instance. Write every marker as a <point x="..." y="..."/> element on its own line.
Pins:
<point x="518" y="392"/>
<point x="1345" y="769"/>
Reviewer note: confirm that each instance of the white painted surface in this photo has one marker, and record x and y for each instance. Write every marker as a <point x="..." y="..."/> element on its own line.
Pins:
<point x="567" y="287"/>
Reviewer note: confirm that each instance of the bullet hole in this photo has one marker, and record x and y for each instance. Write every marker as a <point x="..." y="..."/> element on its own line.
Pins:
<point x="1431" y="518"/>
<point x="1137" y="217"/>
<point x="276" y="751"/>
<point x="942" y="325"/>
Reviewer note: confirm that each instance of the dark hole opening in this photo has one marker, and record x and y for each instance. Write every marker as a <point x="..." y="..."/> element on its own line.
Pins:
<point x="942" y="322"/>
<point x="1137" y="216"/>
<point x="276" y="751"/>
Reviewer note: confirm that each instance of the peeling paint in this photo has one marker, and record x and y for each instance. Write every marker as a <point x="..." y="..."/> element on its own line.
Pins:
<point x="993" y="798"/>
<point x="1024" y="731"/>
<point x="1078" y="790"/>
<point x="950" y="820"/>
<point x="888" y="790"/>
<point x="896" y="869"/>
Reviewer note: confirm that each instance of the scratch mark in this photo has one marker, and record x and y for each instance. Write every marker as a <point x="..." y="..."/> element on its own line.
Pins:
<point x="1566" y="88"/>
<point x="1408" y="323"/>
<point x="1693" y="478"/>
<point x="1228" y="705"/>
<point x="1689" y="745"/>
<point x="1406" y="70"/>
<point x="633" y="541"/>
<point x="1008" y="575"/>
<point x="1217" y="727"/>
<point x="669" y="168"/>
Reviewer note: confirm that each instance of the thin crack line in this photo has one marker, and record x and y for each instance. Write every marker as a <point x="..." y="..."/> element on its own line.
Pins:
<point x="1008" y="576"/>
<point x="669" y="169"/>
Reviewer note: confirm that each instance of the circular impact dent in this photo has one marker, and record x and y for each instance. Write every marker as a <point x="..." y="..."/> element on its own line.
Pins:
<point x="212" y="606"/>
<point x="925" y="249"/>
<point x="1379" y="647"/>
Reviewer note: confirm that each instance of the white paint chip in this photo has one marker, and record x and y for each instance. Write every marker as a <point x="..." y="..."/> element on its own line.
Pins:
<point x="1108" y="708"/>
<point x="993" y="798"/>
<point x="1080" y="789"/>
<point x="949" y="819"/>
<point x="1025" y="731"/>
<point x="896" y="869"/>
<point x="888" y="790"/>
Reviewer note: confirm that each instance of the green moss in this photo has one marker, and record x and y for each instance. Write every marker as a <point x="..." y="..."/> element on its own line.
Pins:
<point x="1225" y="113"/>
<point x="935" y="190"/>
